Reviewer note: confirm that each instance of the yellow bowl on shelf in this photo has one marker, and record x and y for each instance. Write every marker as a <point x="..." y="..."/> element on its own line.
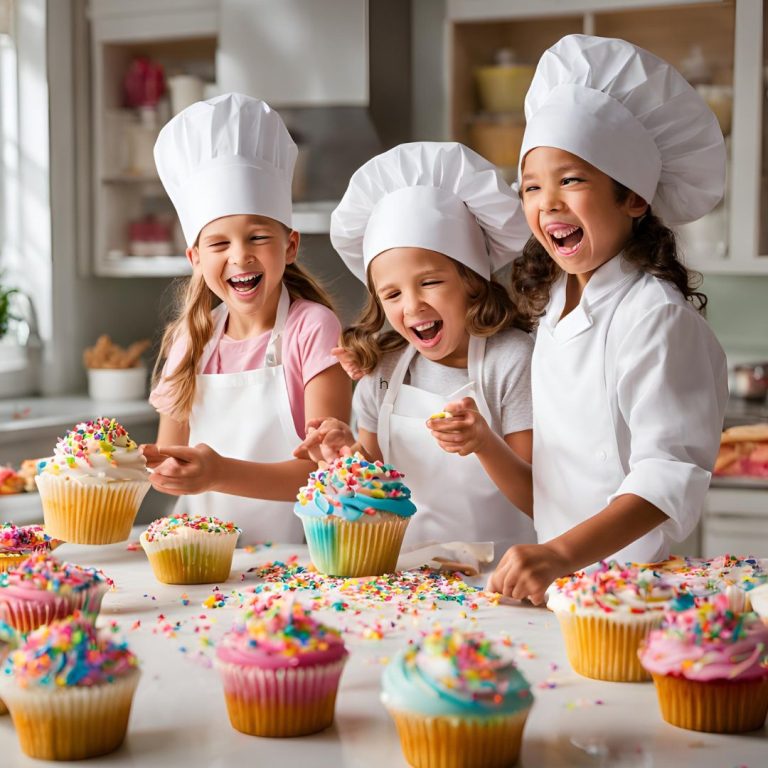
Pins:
<point x="498" y="140"/>
<point x="503" y="88"/>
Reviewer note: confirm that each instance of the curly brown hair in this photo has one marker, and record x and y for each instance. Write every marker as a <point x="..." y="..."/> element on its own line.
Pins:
<point x="490" y="310"/>
<point x="652" y="247"/>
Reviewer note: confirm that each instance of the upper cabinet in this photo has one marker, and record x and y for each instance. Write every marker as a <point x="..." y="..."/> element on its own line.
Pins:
<point x="720" y="46"/>
<point x="151" y="58"/>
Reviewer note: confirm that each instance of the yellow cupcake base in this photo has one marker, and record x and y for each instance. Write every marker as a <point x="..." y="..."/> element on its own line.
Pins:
<point x="460" y="742"/>
<point x="606" y="649"/>
<point x="200" y="558"/>
<point x="715" y="706"/>
<point x="71" y="723"/>
<point x="90" y="514"/>
<point x="280" y="720"/>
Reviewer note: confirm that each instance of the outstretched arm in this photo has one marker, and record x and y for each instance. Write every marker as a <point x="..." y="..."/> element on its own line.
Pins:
<point x="526" y="570"/>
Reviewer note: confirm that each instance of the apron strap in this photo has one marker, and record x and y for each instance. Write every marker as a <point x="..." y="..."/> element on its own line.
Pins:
<point x="274" y="354"/>
<point x="387" y="406"/>
<point x="475" y="363"/>
<point x="220" y="315"/>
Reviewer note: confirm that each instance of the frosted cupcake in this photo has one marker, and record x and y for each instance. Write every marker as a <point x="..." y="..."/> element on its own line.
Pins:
<point x="9" y="639"/>
<point x="69" y="691"/>
<point x="355" y="513"/>
<point x="42" y="588"/>
<point x="604" y="615"/>
<point x="456" y="702"/>
<point x="710" y="667"/>
<point x="281" y="670"/>
<point x="93" y="485"/>
<point x="759" y="600"/>
<point x="190" y="549"/>
<point x="18" y="542"/>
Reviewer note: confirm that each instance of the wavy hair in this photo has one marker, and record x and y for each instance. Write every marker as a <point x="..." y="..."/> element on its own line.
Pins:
<point x="194" y="302"/>
<point x="490" y="310"/>
<point x="652" y="248"/>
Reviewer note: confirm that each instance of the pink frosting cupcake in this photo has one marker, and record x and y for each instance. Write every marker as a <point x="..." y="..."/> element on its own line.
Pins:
<point x="281" y="671"/>
<point x="710" y="667"/>
<point x="43" y="588"/>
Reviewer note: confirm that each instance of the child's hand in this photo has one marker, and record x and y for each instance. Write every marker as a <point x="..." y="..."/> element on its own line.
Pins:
<point x="326" y="440"/>
<point x="465" y="431"/>
<point x="526" y="570"/>
<point x="181" y="469"/>
<point x="347" y="360"/>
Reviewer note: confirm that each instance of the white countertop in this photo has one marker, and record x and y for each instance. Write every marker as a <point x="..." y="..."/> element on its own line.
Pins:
<point x="179" y="716"/>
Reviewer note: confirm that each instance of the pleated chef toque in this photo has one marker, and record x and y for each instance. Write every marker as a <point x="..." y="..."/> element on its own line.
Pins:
<point x="228" y="155"/>
<point x="440" y="196"/>
<point x="632" y="116"/>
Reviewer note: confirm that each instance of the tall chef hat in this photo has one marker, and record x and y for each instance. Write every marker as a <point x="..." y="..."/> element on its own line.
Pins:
<point x="439" y="196"/>
<point x="634" y="117"/>
<point x="228" y="155"/>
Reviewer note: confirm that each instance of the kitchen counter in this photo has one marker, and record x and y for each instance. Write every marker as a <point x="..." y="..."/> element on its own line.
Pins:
<point x="179" y="716"/>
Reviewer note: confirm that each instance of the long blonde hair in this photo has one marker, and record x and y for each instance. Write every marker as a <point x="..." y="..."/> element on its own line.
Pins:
<point x="490" y="310"/>
<point x="195" y="302"/>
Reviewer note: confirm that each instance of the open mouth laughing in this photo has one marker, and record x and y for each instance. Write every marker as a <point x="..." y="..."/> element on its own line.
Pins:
<point x="246" y="283"/>
<point x="428" y="332"/>
<point x="566" y="238"/>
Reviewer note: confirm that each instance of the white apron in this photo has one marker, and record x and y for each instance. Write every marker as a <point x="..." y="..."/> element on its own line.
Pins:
<point x="576" y="461"/>
<point x="455" y="498"/>
<point x="247" y="416"/>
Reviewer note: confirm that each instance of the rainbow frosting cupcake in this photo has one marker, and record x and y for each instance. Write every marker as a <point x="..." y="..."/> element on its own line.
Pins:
<point x="355" y="513"/>
<point x="69" y="691"/>
<point x="281" y="670"/>
<point x="605" y="614"/>
<point x="710" y="667"/>
<point x="92" y="486"/>
<point x="190" y="549"/>
<point x="456" y="702"/>
<point x="42" y="588"/>
<point x="18" y="542"/>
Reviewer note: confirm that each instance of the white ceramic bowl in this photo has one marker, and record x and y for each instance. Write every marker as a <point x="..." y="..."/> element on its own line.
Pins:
<point x="111" y="384"/>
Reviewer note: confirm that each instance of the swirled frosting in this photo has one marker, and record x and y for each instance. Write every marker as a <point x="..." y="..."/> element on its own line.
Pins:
<point x="68" y="653"/>
<point x="174" y="525"/>
<point x="452" y="672"/>
<point x="352" y="487"/>
<point x="23" y="539"/>
<point x="707" y="642"/>
<point x="96" y="452"/>
<point x="612" y="589"/>
<point x="280" y="635"/>
<point x="45" y="573"/>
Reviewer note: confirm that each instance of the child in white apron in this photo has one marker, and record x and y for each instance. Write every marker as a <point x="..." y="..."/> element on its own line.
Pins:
<point x="248" y="360"/>
<point x="629" y="383"/>
<point x="425" y="225"/>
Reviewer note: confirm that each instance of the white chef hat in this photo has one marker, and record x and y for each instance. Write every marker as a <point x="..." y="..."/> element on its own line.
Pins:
<point x="634" y="117"/>
<point x="228" y="155"/>
<point x="440" y="196"/>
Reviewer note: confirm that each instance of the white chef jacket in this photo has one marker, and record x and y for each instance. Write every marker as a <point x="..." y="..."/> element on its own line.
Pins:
<point x="629" y="394"/>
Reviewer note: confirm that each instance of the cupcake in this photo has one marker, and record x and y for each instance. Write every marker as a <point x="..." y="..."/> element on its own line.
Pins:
<point x="18" y="542"/>
<point x="69" y="691"/>
<point x="9" y="639"/>
<point x="42" y="588"/>
<point x="355" y="513"/>
<point x="456" y="702"/>
<point x="281" y="670"/>
<point x="604" y="614"/>
<point x="710" y="667"/>
<point x="759" y="599"/>
<point x="93" y="485"/>
<point x="190" y="549"/>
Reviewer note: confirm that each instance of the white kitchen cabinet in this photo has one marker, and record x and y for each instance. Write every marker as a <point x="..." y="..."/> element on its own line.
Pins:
<point x="731" y="36"/>
<point x="735" y="521"/>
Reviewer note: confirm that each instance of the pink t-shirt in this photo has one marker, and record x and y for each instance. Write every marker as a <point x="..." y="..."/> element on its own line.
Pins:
<point x="311" y="331"/>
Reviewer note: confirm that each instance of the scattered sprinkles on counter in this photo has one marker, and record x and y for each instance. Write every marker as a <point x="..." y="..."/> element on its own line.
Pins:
<point x="169" y="526"/>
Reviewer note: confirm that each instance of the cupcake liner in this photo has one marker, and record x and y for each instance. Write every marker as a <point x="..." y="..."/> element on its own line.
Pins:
<point x="714" y="706"/>
<point x="280" y="702"/>
<point x="366" y="547"/>
<point x="90" y="514"/>
<point x="25" y="615"/>
<point x="71" y="723"/>
<point x="606" y="648"/>
<point x="460" y="742"/>
<point x="197" y="558"/>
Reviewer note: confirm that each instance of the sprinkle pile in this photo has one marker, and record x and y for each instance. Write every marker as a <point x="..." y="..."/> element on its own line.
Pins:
<point x="701" y="577"/>
<point x="169" y="526"/>
<point x="68" y="653"/>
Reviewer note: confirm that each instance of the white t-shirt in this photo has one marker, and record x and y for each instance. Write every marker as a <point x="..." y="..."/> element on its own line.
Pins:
<point x="506" y="383"/>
